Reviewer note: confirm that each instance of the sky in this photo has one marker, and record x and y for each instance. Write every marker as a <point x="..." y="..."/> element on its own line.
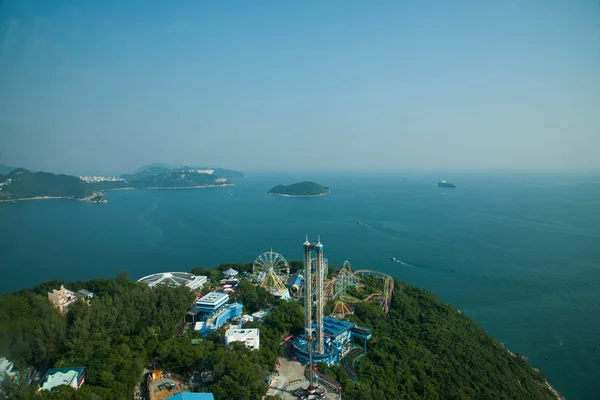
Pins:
<point x="277" y="85"/>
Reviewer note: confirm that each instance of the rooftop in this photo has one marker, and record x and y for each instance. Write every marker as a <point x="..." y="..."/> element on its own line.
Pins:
<point x="213" y="298"/>
<point x="174" y="279"/>
<point x="249" y="337"/>
<point x="61" y="376"/>
<point x="334" y="326"/>
<point x="192" y="396"/>
<point x="230" y="272"/>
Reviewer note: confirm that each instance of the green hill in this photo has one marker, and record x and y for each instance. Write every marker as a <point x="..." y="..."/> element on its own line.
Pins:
<point x="176" y="180"/>
<point x="155" y="169"/>
<point x="21" y="183"/>
<point x="421" y="349"/>
<point x="301" y="189"/>
<point x="427" y="349"/>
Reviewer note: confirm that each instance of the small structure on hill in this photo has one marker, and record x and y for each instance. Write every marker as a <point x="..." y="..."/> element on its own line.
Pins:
<point x="249" y="337"/>
<point x="62" y="298"/>
<point x="259" y="315"/>
<point x="73" y="377"/>
<point x="230" y="273"/>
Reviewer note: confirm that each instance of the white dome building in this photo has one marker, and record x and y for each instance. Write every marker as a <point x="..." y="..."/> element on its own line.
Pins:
<point x="174" y="279"/>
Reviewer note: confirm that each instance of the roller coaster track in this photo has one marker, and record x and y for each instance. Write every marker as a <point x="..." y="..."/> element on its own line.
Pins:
<point x="388" y="287"/>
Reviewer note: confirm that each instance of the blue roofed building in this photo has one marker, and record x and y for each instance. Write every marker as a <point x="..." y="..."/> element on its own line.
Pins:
<point x="211" y="303"/>
<point x="191" y="396"/>
<point x="215" y="320"/>
<point x="339" y="339"/>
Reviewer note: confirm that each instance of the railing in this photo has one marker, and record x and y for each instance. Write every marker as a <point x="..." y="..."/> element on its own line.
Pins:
<point x="330" y="386"/>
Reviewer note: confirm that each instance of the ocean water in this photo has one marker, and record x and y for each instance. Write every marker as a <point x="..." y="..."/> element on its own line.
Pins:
<point x="520" y="254"/>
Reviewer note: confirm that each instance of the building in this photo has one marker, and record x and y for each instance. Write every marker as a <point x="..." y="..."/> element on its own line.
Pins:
<point x="86" y="293"/>
<point x="193" y="315"/>
<point x="283" y="294"/>
<point x="230" y="273"/>
<point x="63" y="298"/>
<point x="216" y="320"/>
<point x="96" y="179"/>
<point x="174" y="279"/>
<point x="211" y="311"/>
<point x="73" y="377"/>
<point x="249" y="337"/>
<point x="6" y="369"/>
<point x="206" y="171"/>
<point x="338" y="340"/>
<point x="192" y="396"/>
<point x="211" y="303"/>
<point x="260" y="315"/>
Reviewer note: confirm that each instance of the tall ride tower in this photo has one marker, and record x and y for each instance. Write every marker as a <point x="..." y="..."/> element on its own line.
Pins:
<point x="318" y="290"/>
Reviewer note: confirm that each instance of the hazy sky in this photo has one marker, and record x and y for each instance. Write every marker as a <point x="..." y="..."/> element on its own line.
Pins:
<point x="288" y="85"/>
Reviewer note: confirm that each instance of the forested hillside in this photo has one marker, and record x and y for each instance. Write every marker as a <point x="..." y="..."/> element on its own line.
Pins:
<point x="422" y="348"/>
<point x="425" y="349"/>
<point x="21" y="183"/>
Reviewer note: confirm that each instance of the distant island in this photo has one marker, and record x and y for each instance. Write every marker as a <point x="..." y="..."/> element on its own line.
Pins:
<point x="21" y="184"/>
<point x="160" y="177"/>
<point x="300" y="189"/>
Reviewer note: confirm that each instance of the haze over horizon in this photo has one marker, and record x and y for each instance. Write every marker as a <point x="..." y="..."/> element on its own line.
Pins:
<point x="340" y="85"/>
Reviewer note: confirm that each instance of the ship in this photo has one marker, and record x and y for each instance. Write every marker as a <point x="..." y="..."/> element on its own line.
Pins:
<point x="446" y="184"/>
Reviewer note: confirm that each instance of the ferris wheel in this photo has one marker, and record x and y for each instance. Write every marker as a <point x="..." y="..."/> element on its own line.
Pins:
<point x="271" y="270"/>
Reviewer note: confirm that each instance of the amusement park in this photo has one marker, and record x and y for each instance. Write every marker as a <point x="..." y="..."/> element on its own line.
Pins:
<point x="329" y="296"/>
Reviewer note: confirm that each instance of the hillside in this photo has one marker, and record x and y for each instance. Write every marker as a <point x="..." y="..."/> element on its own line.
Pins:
<point x="301" y="189"/>
<point x="154" y="169"/>
<point x="21" y="183"/>
<point x="175" y="180"/>
<point x="422" y="348"/>
<point x="428" y="349"/>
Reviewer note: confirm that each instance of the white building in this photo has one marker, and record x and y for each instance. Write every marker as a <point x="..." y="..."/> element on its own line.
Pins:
<point x="203" y="171"/>
<point x="174" y="279"/>
<point x="101" y="179"/>
<point x="259" y="315"/>
<point x="249" y="337"/>
<point x="6" y="369"/>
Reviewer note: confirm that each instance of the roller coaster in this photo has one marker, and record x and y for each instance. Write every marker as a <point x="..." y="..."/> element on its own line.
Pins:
<point x="337" y="289"/>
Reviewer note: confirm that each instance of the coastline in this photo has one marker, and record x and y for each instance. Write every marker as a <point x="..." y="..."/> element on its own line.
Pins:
<point x="185" y="187"/>
<point x="111" y="190"/>
<point x="86" y="199"/>
<point x="299" y="195"/>
<point x="95" y="194"/>
<point x="555" y="392"/>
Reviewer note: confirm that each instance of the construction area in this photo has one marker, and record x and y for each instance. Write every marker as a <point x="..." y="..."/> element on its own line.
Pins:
<point x="164" y="385"/>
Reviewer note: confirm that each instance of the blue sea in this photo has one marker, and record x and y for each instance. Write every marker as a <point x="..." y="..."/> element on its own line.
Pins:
<point x="520" y="254"/>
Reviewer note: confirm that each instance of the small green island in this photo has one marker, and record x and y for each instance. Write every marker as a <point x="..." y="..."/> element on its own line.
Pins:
<point x="300" y="189"/>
